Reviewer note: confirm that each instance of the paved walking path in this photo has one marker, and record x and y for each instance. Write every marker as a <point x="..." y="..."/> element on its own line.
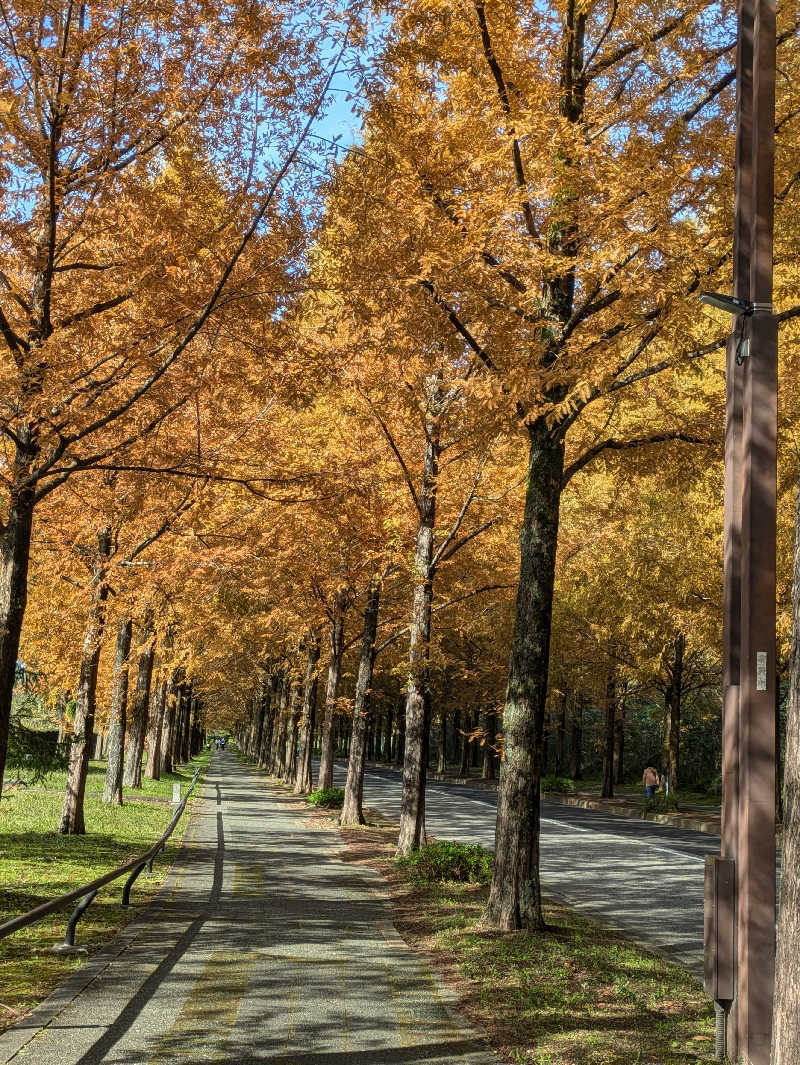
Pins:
<point x="264" y="946"/>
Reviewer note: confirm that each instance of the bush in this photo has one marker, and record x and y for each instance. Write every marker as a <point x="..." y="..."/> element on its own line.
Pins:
<point x="560" y="785"/>
<point x="329" y="798"/>
<point x="661" y="803"/>
<point x="448" y="861"/>
<point x="713" y="787"/>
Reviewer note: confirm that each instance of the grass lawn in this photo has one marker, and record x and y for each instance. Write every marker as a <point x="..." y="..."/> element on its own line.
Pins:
<point x="575" y="995"/>
<point x="36" y="864"/>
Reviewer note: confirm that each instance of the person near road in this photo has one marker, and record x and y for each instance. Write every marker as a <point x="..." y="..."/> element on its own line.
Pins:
<point x="650" y="781"/>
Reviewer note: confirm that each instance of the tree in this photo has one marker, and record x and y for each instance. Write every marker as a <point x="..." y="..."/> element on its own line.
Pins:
<point x="107" y="289"/>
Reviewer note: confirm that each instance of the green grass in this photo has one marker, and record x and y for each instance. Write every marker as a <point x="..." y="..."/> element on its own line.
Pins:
<point x="36" y="864"/>
<point x="574" y="995"/>
<point x="96" y="776"/>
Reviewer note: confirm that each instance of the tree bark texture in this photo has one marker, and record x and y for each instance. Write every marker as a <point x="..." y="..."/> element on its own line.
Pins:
<point x="336" y="645"/>
<point x="279" y="733"/>
<point x="576" y="740"/>
<point x="489" y="755"/>
<point x="293" y="721"/>
<point x="273" y="695"/>
<point x="418" y="701"/>
<point x="72" y="819"/>
<point x="15" y="550"/>
<point x="132" y="776"/>
<point x="619" y="743"/>
<point x="672" y="709"/>
<point x="609" y="733"/>
<point x="112" y="790"/>
<point x="515" y="895"/>
<point x="168" y="727"/>
<point x="157" y="707"/>
<point x="463" y="769"/>
<point x="352" y="810"/>
<point x="561" y="734"/>
<point x="785" y="1027"/>
<point x="303" y="782"/>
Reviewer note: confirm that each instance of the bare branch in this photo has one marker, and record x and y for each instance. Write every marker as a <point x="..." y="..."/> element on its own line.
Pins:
<point x="505" y="101"/>
<point x="396" y="451"/>
<point x="462" y="513"/>
<point x="96" y="308"/>
<point x="628" y="445"/>
<point x="444" y="606"/>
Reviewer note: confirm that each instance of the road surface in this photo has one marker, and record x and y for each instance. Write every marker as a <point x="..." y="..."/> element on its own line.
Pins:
<point x="640" y="878"/>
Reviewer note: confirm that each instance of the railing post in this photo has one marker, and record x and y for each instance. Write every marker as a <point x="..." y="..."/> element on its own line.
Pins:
<point x="126" y="891"/>
<point x="68" y="946"/>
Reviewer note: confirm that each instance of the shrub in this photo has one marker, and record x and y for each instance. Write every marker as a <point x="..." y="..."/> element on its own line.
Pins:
<point x="446" y="860"/>
<point x="714" y="786"/>
<point x="661" y="803"/>
<point x="560" y="785"/>
<point x="329" y="798"/>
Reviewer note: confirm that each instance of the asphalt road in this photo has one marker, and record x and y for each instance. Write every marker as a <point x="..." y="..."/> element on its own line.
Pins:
<point x="643" y="879"/>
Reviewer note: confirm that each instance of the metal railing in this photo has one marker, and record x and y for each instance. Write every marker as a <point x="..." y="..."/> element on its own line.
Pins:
<point x="86" y="892"/>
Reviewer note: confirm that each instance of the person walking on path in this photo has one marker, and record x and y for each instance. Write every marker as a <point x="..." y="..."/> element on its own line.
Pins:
<point x="650" y="781"/>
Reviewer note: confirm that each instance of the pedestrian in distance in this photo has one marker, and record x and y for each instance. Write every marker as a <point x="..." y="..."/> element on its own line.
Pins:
<point x="650" y="781"/>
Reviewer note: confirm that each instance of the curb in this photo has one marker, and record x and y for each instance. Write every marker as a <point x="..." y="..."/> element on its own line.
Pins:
<point x="710" y="826"/>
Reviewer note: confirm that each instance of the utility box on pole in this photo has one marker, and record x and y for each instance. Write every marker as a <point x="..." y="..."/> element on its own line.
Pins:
<point x="720" y="927"/>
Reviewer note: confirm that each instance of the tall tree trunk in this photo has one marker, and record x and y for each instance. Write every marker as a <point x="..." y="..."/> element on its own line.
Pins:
<point x="489" y="755"/>
<point x="778" y="751"/>
<point x="387" y="737"/>
<point x="191" y="727"/>
<point x="260" y="711"/>
<point x="293" y="720"/>
<point x="785" y="1029"/>
<point x="515" y="899"/>
<point x="352" y="812"/>
<point x="515" y="894"/>
<point x="112" y="791"/>
<point x="609" y="733"/>
<point x="561" y="734"/>
<point x="400" y="734"/>
<point x="441" y="761"/>
<point x="279" y="737"/>
<point x="418" y="703"/>
<point x="157" y="707"/>
<point x="619" y="743"/>
<point x="272" y="697"/>
<point x="132" y="776"/>
<point x="15" y="550"/>
<point x="576" y="740"/>
<point x="672" y="708"/>
<point x="181" y="696"/>
<point x="168" y="727"/>
<point x="72" y="820"/>
<point x="463" y="770"/>
<point x="336" y="645"/>
<point x="303" y="782"/>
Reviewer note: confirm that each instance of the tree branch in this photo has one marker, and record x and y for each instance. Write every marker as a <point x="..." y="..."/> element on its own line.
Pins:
<point x="626" y="445"/>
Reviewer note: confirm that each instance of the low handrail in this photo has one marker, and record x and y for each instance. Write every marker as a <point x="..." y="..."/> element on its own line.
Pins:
<point x="88" y="891"/>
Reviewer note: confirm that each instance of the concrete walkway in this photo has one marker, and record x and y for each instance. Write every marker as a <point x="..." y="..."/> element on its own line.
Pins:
<point x="263" y="946"/>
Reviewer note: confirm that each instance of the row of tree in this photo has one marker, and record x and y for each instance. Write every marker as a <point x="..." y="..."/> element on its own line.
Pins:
<point x="438" y="403"/>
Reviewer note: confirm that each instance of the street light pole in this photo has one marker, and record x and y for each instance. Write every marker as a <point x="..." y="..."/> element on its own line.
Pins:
<point x="748" y="805"/>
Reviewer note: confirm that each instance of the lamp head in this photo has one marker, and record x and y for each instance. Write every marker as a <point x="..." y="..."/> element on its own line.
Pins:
<point x="731" y="304"/>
